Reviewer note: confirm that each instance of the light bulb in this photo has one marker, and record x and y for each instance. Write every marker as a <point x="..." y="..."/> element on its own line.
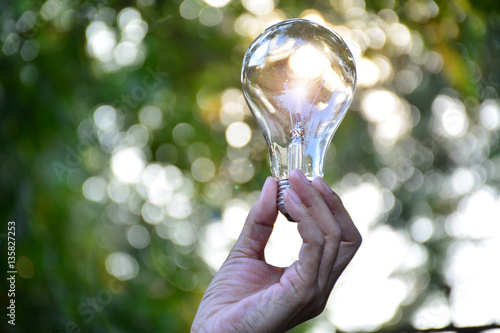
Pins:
<point x="298" y="79"/>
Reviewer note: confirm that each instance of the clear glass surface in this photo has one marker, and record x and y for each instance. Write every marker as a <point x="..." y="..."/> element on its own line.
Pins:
<point x="298" y="78"/>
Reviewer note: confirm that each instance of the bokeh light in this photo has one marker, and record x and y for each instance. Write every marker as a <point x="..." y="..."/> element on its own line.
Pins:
<point x="122" y="266"/>
<point x="238" y="134"/>
<point x="127" y="164"/>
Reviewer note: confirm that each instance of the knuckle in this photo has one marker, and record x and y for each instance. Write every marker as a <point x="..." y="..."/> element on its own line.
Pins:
<point x="358" y="239"/>
<point x="335" y="234"/>
<point x="320" y="239"/>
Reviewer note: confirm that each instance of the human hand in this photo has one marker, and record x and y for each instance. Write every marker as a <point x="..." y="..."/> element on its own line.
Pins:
<point x="249" y="295"/>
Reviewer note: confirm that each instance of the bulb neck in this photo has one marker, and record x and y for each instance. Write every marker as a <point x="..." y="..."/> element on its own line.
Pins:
<point x="283" y="184"/>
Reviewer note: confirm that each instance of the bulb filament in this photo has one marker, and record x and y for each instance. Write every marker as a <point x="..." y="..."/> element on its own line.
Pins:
<point x="295" y="149"/>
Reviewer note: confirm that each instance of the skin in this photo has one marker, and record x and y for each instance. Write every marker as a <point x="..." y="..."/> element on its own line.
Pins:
<point x="249" y="295"/>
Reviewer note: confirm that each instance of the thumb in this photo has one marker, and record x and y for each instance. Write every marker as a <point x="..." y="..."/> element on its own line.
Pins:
<point x="259" y="224"/>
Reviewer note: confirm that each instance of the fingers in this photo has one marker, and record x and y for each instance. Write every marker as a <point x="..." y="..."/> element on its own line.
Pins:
<point x="349" y="231"/>
<point x="311" y="252"/>
<point x="259" y="224"/>
<point x="320" y="231"/>
<point x="351" y="238"/>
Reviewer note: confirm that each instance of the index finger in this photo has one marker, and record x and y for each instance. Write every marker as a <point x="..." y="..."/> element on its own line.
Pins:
<point x="349" y="231"/>
<point x="259" y="224"/>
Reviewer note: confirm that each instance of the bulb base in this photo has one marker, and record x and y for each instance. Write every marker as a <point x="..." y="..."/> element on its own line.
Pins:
<point x="283" y="184"/>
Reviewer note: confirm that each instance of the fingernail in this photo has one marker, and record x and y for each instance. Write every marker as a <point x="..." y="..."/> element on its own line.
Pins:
<point x="303" y="177"/>
<point x="295" y="198"/>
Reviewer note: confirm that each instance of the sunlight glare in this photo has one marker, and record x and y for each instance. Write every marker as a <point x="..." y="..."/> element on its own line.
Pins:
<point x="233" y="217"/>
<point x="368" y="72"/>
<point x="476" y="216"/>
<point x="127" y="164"/>
<point x="368" y="214"/>
<point x="101" y="41"/>
<point x="284" y="244"/>
<point x="475" y="296"/>
<point x="308" y="62"/>
<point x="369" y="286"/>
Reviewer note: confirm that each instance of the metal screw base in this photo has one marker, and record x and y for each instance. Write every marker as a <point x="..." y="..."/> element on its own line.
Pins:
<point x="283" y="184"/>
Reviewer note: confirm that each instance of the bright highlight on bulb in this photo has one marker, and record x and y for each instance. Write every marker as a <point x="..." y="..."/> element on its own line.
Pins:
<point x="308" y="63"/>
<point x="298" y="78"/>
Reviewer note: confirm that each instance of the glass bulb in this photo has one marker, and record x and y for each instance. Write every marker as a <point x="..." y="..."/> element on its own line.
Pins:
<point x="298" y="79"/>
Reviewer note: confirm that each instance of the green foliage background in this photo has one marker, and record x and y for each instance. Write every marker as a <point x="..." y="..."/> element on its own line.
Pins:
<point x="50" y="87"/>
